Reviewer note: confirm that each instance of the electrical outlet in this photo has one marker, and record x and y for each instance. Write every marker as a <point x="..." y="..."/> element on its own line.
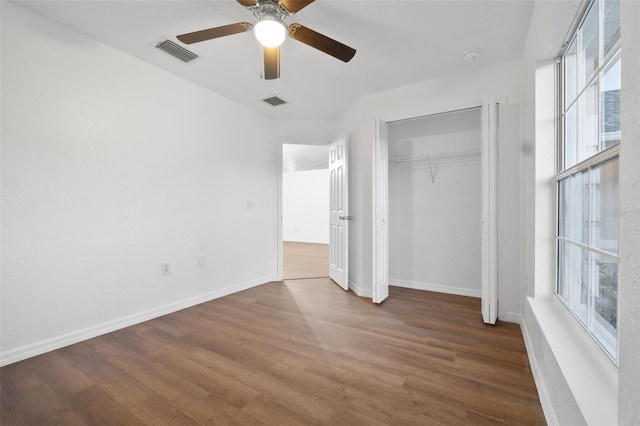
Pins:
<point x="201" y="262"/>
<point x="165" y="269"/>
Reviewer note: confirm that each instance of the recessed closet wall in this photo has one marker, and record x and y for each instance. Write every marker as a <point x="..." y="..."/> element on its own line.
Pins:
<point x="434" y="203"/>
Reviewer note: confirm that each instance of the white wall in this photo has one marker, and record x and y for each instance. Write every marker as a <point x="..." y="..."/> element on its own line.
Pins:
<point x="305" y="206"/>
<point x="111" y="167"/>
<point x="463" y="90"/>
<point x="434" y="219"/>
<point x="306" y="132"/>
<point x="629" y="335"/>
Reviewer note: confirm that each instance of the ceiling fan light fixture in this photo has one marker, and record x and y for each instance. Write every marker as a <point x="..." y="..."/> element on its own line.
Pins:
<point x="270" y="31"/>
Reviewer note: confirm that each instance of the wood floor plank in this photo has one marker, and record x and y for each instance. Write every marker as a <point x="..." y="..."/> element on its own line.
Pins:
<point x="294" y="352"/>
<point x="146" y="404"/>
<point x="348" y="417"/>
<point x="40" y="405"/>
<point x="272" y="413"/>
<point x="97" y="407"/>
<point x="59" y="371"/>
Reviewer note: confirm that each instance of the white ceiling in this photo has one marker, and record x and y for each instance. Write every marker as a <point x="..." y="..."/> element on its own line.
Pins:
<point x="298" y="158"/>
<point x="398" y="43"/>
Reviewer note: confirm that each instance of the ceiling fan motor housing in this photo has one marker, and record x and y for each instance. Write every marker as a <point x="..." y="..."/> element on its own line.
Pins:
<point x="271" y="8"/>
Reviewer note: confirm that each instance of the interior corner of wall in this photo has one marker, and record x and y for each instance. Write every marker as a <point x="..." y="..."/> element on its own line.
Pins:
<point x="360" y="291"/>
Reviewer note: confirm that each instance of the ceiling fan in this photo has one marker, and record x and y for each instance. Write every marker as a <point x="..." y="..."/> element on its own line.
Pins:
<point x="270" y="31"/>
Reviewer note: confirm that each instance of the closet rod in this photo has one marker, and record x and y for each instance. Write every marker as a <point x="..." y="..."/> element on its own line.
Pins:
<point x="458" y="155"/>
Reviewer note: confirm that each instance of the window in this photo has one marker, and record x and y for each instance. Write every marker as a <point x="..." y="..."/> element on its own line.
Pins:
<point x="588" y="195"/>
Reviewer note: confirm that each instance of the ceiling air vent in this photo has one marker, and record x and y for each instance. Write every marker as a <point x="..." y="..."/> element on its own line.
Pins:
<point x="176" y="51"/>
<point x="274" y="101"/>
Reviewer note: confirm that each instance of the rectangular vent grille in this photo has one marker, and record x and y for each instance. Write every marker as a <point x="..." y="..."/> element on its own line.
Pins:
<point x="274" y="101"/>
<point x="176" y="51"/>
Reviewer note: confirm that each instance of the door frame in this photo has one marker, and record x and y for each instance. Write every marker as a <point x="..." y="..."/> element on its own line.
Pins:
<point x="279" y="230"/>
<point x="380" y="220"/>
<point x="279" y="272"/>
<point x="488" y="217"/>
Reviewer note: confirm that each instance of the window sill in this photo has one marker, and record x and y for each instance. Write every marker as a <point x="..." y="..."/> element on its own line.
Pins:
<point x="590" y="375"/>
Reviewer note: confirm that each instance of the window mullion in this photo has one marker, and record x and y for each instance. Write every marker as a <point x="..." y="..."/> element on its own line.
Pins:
<point x="596" y="76"/>
<point x="589" y="266"/>
<point x="593" y="249"/>
<point x="560" y="100"/>
<point x="600" y="157"/>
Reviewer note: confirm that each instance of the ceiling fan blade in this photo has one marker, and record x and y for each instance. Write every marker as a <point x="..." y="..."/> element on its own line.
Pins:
<point x="271" y="63"/>
<point x="215" y="32"/>
<point x="321" y="42"/>
<point x="294" y="6"/>
<point x="247" y="3"/>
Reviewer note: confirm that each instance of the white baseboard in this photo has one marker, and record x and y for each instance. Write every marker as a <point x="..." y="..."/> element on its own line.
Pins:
<point x="360" y="291"/>
<point x="440" y="288"/>
<point x="47" y="345"/>
<point x="513" y="317"/>
<point x="543" y="394"/>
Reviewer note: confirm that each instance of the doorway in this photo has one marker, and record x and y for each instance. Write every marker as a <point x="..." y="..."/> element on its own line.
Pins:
<point x="305" y="206"/>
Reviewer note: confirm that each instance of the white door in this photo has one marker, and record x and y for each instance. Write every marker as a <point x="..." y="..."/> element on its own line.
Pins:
<point x="381" y="213"/>
<point x="489" y="217"/>
<point x="338" y="214"/>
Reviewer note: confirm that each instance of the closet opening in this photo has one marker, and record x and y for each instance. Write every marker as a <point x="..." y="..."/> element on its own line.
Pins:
<point x="435" y="202"/>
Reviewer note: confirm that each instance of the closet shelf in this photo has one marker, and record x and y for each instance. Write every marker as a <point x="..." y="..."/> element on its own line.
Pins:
<point x="433" y="161"/>
<point x="443" y="157"/>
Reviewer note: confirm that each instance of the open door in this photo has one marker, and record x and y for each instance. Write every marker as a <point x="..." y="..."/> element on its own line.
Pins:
<point x="489" y="218"/>
<point x="338" y="214"/>
<point x="381" y="213"/>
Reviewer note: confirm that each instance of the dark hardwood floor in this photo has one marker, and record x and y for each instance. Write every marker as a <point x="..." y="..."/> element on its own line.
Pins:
<point x="286" y="353"/>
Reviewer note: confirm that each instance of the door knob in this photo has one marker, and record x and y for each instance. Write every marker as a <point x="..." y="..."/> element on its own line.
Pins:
<point x="344" y="217"/>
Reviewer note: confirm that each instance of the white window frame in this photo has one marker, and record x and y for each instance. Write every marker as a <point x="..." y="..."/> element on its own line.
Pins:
<point x="586" y="165"/>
